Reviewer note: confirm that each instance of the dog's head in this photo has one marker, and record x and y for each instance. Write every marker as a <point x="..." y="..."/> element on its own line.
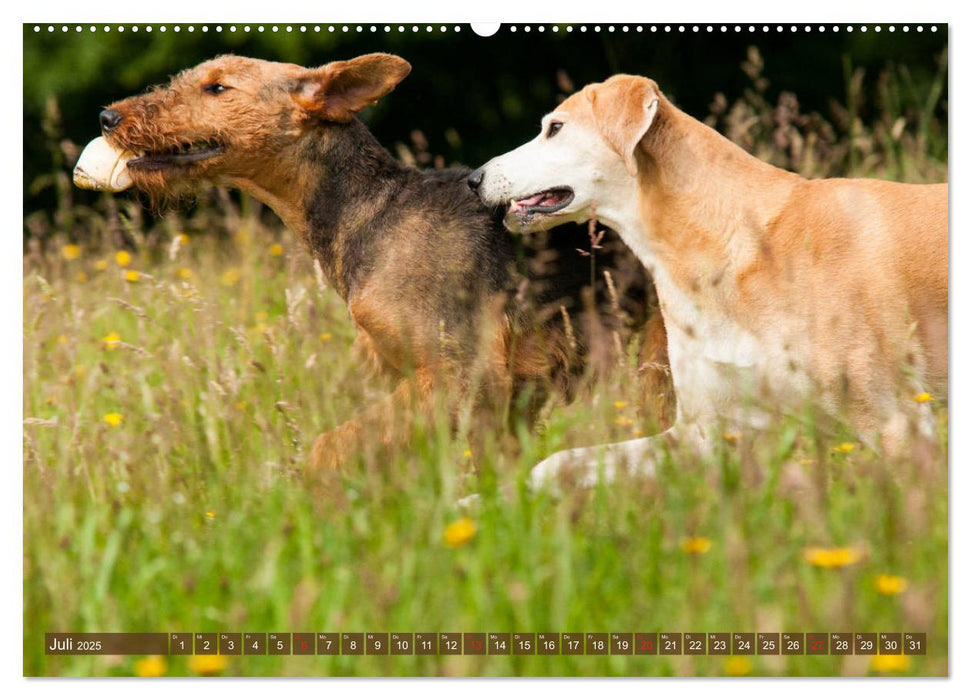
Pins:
<point x="583" y="164"/>
<point x="231" y="118"/>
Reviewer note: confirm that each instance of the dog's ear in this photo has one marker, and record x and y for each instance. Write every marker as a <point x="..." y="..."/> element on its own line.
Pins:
<point x="624" y="107"/>
<point x="339" y="90"/>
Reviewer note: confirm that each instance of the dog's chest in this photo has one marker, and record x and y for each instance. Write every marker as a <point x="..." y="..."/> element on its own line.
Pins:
<point x="720" y="369"/>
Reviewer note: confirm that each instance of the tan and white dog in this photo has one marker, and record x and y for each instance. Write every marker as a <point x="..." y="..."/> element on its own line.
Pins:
<point x="774" y="289"/>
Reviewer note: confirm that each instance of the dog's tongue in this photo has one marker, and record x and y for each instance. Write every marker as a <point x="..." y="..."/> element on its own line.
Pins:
<point x="530" y="201"/>
<point x="103" y="167"/>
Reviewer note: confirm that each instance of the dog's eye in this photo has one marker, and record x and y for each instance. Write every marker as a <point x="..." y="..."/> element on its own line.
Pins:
<point x="214" y="88"/>
<point x="553" y="129"/>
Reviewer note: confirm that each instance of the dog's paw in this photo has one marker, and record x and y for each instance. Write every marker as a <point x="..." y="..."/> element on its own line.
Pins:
<point x="585" y="467"/>
<point x="581" y="468"/>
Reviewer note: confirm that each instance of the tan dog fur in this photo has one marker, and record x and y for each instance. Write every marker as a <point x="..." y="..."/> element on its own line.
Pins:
<point x="774" y="289"/>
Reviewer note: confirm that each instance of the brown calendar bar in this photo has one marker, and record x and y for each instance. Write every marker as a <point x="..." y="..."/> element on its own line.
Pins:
<point x="645" y="643"/>
<point x="500" y="643"/>
<point x="230" y="643"/>
<point x="743" y="643"/>
<point x="426" y="643"/>
<point x="548" y="643"/>
<point x="793" y="643"/>
<point x="328" y="643"/>
<point x="180" y="643"/>
<point x="402" y="643"/>
<point x="278" y="643"/>
<point x="719" y="643"/>
<point x="817" y="643"/>
<point x="891" y="643"/>
<point x="254" y="643"/>
<point x="304" y="643"/>
<point x="206" y="643"/>
<point x="597" y="644"/>
<point x="489" y="644"/>
<point x="572" y="643"/>
<point x="669" y="643"/>
<point x="695" y="644"/>
<point x="915" y="643"/>
<point x="523" y="643"/>
<point x="622" y="643"/>
<point x="70" y="643"/>
<point x="474" y="643"/>
<point x="841" y="643"/>
<point x="768" y="643"/>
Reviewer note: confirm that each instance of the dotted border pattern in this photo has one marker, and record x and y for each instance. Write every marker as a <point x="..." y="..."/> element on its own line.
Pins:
<point x="414" y="28"/>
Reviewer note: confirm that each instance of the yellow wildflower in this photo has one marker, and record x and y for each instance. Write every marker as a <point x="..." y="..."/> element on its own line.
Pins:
<point x="112" y="419"/>
<point x="623" y="421"/>
<point x="71" y="252"/>
<point x="150" y="667"/>
<point x="184" y="273"/>
<point x="111" y="341"/>
<point x="207" y="664"/>
<point x="101" y="264"/>
<point x="467" y="454"/>
<point x="695" y="545"/>
<point x="230" y="277"/>
<point x="923" y="397"/>
<point x="211" y="514"/>
<point x="620" y="404"/>
<point x="888" y="584"/>
<point x="62" y="339"/>
<point x="460" y="532"/>
<point x="132" y="275"/>
<point x="123" y="258"/>
<point x="276" y="250"/>
<point x="81" y="277"/>
<point x="889" y="663"/>
<point x="326" y="336"/>
<point x="844" y="447"/>
<point x="737" y="666"/>
<point x="182" y="238"/>
<point x="241" y="405"/>
<point x="732" y="437"/>
<point x="832" y="557"/>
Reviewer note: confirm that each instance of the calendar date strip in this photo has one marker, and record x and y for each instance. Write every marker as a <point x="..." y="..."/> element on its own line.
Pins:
<point x="486" y="643"/>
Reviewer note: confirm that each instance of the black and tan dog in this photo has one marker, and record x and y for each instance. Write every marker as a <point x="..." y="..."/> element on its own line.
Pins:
<point x="441" y="295"/>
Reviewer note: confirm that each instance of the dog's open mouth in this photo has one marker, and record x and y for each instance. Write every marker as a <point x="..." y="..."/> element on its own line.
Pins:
<point x="185" y="154"/>
<point x="545" y="202"/>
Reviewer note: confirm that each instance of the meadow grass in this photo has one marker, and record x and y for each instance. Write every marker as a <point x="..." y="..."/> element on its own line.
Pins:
<point x="219" y="366"/>
<point x="174" y="380"/>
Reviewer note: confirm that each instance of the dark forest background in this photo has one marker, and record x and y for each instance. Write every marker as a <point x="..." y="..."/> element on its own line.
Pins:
<point x="468" y="97"/>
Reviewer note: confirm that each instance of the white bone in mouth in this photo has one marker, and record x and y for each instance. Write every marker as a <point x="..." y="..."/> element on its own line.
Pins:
<point x="103" y="167"/>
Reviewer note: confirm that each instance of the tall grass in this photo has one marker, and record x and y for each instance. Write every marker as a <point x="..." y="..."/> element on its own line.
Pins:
<point x="176" y="373"/>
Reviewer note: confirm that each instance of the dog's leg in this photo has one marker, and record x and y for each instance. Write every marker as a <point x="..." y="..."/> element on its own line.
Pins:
<point x="584" y="467"/>
<point x="387" y="423"/>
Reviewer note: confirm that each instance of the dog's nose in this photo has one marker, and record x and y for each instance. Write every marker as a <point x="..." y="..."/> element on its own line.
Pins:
<point x="110" y="118"/>
<point x="475" y="179"/>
